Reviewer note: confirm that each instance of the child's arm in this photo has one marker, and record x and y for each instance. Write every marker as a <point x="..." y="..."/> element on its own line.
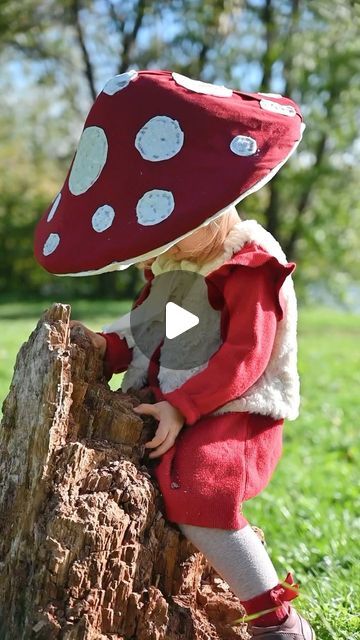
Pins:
<point x="254" y="308"/>
<point x="96" y="338"/>
<point x="118" y="354"/>
<point x="112" y="348"/>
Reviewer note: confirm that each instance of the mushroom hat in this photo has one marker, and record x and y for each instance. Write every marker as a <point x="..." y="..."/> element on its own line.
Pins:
<point x="160" y="155"/>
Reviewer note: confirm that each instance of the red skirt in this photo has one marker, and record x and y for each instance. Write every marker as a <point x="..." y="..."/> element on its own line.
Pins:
<point x="215" y="465"/>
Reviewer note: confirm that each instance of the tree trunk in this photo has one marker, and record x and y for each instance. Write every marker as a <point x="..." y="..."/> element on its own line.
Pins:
<point x="85" y="552"/>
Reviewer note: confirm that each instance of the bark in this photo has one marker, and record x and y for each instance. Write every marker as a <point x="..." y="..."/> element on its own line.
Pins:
<point x="268" y="19"/>
<point x="85" y="552"/>
<point x="89" y="70"/>
<point x="129" y="38"/>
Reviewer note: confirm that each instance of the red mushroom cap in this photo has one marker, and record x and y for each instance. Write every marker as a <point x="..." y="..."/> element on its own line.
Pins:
<point x="160" y="155"/>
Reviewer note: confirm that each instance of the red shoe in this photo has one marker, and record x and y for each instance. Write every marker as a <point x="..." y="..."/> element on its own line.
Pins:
<point x="294" y="628"/>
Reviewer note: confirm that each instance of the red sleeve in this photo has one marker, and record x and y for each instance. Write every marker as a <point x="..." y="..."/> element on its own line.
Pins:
<point x="118" y="354"/>
<point x="253" y="308"/>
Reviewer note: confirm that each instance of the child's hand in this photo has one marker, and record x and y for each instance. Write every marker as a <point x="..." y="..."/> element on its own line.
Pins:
<point x="98" y="341"/>
<point x="171" y="421"/>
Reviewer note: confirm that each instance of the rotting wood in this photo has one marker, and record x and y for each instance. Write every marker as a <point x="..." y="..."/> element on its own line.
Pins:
<point x="85" y="552"/>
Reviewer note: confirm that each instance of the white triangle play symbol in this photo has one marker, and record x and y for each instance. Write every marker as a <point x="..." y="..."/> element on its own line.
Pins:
<point x="178" y="320"/>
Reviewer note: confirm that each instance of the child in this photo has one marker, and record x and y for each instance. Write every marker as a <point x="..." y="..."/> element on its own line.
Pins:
<point x="220" y="427"/>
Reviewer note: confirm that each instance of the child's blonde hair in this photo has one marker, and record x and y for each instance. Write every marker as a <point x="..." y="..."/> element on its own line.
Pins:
<point x="205" y="250"/>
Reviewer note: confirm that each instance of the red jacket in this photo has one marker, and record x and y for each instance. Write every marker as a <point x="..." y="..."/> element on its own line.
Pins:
<point x="250" y="283"/>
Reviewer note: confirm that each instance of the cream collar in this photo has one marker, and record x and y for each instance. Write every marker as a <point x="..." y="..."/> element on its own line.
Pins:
<point x="241" y="233"/>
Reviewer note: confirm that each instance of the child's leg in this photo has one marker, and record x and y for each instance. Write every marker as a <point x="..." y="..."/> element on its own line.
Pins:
<point x="238" y="555"/>
<point x="242" y="561"/>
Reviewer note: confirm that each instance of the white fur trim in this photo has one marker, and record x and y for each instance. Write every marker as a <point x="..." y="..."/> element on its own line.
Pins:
<point x="188" y="348"/>
<point x="136" y="375"/>
<point x="277" y="392"/>
<point x="122" y="326"/>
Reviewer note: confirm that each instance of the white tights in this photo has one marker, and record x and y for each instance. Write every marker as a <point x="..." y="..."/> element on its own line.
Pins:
<point x="238" y="556"/>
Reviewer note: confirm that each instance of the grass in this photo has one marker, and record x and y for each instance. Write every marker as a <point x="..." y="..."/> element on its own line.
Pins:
<point x="310" y="511"/>
<point x="17" y="321"/>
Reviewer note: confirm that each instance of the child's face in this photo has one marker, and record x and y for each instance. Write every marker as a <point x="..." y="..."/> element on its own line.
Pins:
<point x="184" y="248"/>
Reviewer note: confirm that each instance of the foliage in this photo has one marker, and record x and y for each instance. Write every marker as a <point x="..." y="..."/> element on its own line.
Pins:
<point x="56" y="56"/>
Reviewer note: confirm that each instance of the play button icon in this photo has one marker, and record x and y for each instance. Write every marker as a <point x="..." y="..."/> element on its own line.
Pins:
<point x="181" y="314"/>
<point x="178" y="320"/>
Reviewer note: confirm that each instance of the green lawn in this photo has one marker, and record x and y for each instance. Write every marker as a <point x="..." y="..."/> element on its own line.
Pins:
<point x="309" y="510"/>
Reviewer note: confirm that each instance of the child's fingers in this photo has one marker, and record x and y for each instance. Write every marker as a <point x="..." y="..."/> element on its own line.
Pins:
<point x="159" y="437"/>
<point x="166" y="445"/>
<point x="76" y="323"/>
<point x="148" y="409"/>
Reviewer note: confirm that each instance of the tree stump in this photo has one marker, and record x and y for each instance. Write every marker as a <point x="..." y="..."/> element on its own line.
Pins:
<point x="85" y="552"/>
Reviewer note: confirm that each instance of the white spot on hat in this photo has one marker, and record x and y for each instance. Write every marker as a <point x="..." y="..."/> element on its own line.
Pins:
<point x="89" y="160"/>
<point x="154" y="207"/>
<point x="202" y="87"/>
<point x="160" y="138"/>
<point x="103" y="218"/>
<point x="51" y="244"/>
<point x="119" y="82"/>
<point x="270" y="95"/>
<point x="276" y="107"/>
<point x="54" y="207"/>
<point x="243" y="146"/>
